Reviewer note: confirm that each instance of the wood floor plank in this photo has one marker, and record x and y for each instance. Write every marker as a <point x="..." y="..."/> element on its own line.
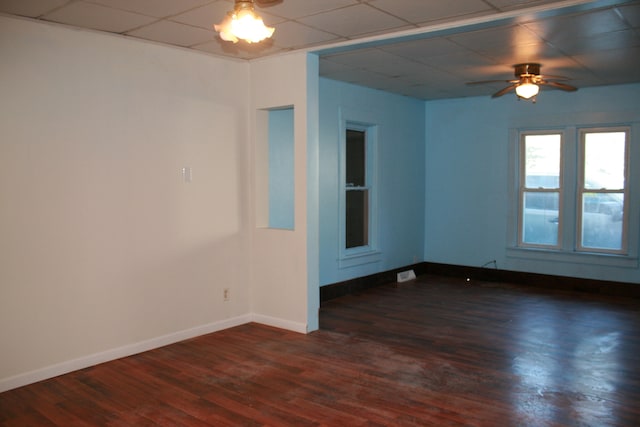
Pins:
<point x="435" y="351"/>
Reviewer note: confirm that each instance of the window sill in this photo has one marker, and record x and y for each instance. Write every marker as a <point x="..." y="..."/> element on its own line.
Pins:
<point x="359" y="258"/>
<point x="607" y="260"/>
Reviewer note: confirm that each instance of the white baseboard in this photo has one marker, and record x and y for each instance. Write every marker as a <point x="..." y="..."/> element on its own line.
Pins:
<point x="117" y="353"/>
<point x="139" y="347"/>
<point x="280" y="323"/>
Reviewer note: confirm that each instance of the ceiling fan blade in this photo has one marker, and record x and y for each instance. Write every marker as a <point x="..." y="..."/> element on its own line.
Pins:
<point x="503" y="91"/>
<point x="548" y="76"/>
<point x="267" y="2"/>
<point x="481" y="82"/>
<point x="559" y="85"/>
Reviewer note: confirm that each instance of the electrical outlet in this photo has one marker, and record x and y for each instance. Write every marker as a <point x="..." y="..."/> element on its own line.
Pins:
<point x="226" y="294"/>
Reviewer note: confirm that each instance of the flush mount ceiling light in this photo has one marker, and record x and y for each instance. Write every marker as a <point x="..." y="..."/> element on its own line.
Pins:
<point x="528" y="81"/>
<point x="243" y="23"/>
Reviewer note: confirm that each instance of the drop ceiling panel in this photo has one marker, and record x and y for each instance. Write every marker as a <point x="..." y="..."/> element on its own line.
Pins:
<point x="622" y="64"/>
<point x="487" y="39"/>
<point x="593" y="42"/>
<point x="30" y="8"/>
<point x="204" y="16"/>
<point x="383" y="62"/>
<point x="424" y="50"/>
<point x="174" y="33"/>
<point x="631" y="14"/>
<point x="420" y="11"/>
<point x="517" y="4"/>
<point x="291" y="34"/>
<point x="293" y="9"/>
<point x="155" y="8"/>
<point x="561" y="29"/>
<point x="98" y="17"/>
<point x="354" y="75"/>
<point x="607" y="41"/>
<point x="459" y="61"/>
<point x="353" y="21"/>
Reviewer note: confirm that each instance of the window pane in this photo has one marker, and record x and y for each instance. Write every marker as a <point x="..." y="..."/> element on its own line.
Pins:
<point x="602" y="220"/>
<point x="355" y="158"/>
<point x="357" y="219"/>
<point x="542" y="161"/>
<point x="604" y="160"/>
<point x="540" y="218"/>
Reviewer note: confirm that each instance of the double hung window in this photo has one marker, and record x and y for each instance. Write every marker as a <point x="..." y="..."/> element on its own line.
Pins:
<point x="602" y="190"/>
<point x="573" y="197"/>
<point x="358" y="201"/>
<point x="356" y="190"/>
<point x="541" y="190"/>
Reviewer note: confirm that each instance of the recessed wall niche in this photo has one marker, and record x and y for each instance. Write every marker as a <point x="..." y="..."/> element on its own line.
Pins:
<point x="275" y="206"/>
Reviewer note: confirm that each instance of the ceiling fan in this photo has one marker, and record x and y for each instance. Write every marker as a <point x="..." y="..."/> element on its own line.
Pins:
<point x="528" y="81"/>
<point x="243" y="23"/>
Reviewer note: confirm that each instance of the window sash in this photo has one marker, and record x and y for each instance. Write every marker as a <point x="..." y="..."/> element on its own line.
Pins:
<point x="602" y="217"/>
<point x="357" y="218"/>
<point x="352" y="182"/>
<point x="539" y="218"/>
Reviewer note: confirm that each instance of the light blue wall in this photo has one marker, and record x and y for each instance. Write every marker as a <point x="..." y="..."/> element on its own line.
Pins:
<point x="450" y="179"/>
<point x="400" y="177"/>
<point x="281" y="197"/>
<point x="467" y="175"/>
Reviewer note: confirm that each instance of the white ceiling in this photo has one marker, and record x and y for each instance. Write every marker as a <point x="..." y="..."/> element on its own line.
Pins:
<point x="427" y="49"/>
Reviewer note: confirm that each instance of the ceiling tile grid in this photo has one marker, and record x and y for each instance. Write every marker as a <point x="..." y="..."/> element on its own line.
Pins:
<point x="30" y="8"/>
<point x="174" y="33"/>
<point x="420" y="12"/>
<point x="351" y="21"/>
<point x="425" y="49"/>
<point x="155" y="8"/>
<point x="98" y="17"/>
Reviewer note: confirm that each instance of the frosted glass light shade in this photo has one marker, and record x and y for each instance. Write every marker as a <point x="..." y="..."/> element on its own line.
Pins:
<point x="527" y="90"/>
<point x="243" y="24"/>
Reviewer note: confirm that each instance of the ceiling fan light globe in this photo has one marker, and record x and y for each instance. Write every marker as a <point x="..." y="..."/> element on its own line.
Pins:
<point x="224" y="29"/>
<point x="248" y="26"/>
<point x="527" y="90"/>
<point x="243" y="23"/>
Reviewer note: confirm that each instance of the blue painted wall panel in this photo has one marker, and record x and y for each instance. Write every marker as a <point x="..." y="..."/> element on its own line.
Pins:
<point x="467" y="174"/>
<point x="455" y="172"/>
<point x="400" y="178"/>
<point x="281" y="169"/>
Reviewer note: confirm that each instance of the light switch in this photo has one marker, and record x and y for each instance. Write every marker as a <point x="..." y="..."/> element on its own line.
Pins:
<point x="186" y="174"/>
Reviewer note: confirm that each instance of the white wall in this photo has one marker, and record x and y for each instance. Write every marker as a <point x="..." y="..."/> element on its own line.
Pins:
<point x="104" y="250"/>
<point x="285" y="291"/>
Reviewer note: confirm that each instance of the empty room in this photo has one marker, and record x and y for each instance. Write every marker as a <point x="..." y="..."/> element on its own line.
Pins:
<point x="360" y="212"/>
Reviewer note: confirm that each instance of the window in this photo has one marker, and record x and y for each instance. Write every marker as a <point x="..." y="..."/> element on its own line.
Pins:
<point x="573" y="197"/>
<point x="602" y="190"/>
<point x="358" y="236"/>
<point x="540" y="190"/>
<point x="357" y="191"/>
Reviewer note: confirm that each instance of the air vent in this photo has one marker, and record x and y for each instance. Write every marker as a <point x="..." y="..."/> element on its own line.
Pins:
<point x="405" y="276"/>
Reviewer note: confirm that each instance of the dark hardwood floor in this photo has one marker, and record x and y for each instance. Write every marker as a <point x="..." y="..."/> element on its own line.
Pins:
<point x="434" y="352"/>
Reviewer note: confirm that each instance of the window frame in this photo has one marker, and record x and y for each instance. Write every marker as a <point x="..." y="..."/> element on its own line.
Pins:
<point x="581" y="190"/>
<point x="568" y="254"/>
<point x="522" y="189"/>
<point x="349" y="257"/>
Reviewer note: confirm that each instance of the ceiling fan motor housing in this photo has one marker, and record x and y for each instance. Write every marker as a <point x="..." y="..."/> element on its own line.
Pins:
<point x="520" y="69"/>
